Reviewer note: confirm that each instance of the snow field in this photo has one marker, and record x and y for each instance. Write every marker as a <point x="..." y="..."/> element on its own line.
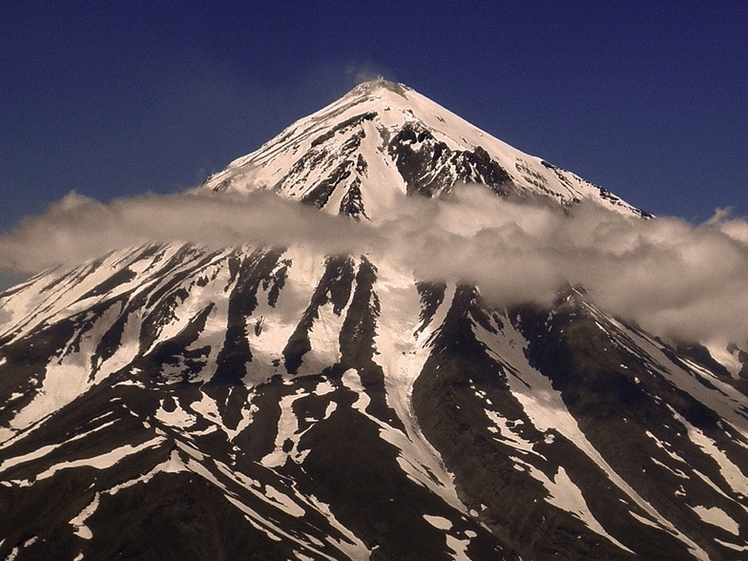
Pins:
<point x="402" y="354"/>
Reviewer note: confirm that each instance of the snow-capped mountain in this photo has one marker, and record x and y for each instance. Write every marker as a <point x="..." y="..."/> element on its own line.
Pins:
<point x="175" y="402"/>
<point x="382" y="139"/>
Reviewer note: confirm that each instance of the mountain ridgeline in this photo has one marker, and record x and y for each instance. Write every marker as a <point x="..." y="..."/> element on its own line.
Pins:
<point x="172" y="401"/>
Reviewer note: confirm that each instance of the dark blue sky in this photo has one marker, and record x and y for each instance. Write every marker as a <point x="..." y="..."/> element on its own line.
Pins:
<point x="112" y="99"/>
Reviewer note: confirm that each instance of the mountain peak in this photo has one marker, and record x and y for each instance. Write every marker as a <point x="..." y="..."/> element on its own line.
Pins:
<point x="382" y="140"/>
<point x="378" y="84"/>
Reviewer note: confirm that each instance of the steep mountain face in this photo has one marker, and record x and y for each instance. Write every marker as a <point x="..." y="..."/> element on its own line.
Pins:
<point x="175" y="402"/>
<point x="381" y="139"/>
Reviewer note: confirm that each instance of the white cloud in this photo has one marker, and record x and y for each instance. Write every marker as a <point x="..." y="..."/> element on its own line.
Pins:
<point x="671" y="277"/>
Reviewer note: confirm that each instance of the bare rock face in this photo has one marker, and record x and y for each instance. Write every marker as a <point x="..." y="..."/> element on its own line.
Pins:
<point x="175" y="402"/>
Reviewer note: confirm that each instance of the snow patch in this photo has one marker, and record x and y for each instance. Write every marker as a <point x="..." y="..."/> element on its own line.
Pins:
<point x="330" y="409"/>
<point x="564" y="494"/>
<point x="732" y="546"/>
<point x="287" y="505"/>
<point x="79" y="522"/>
<point x="287" y="430"/>
<point x="352" y="381"/>
<point x="178" y="418"/>
<point x="717" y="517"/>
<point x="44" y="450"/>
<point x="727" y="359"/>
<point x="438" y="522"/>
<point x="459" y="547"/>
<point x="731" y="473"/>
<point x="104" y="461"/>
<point x="173" y="465"/>
<point x="323" y="388"/>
